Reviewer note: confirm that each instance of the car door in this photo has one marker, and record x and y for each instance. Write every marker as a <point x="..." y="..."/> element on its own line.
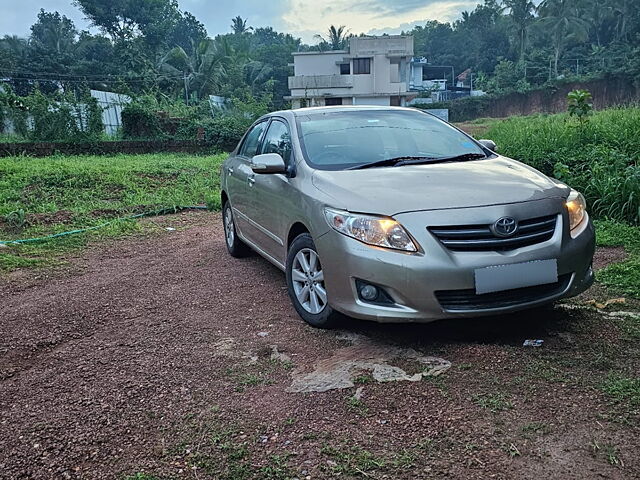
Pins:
<point x="239" y="174"/>
<point x="270" y="193"/>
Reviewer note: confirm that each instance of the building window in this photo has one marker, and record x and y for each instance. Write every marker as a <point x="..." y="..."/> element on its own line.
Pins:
<point x="361" y="66"/>
<point x="332" y="101"/>
<point x="345" y="69"/>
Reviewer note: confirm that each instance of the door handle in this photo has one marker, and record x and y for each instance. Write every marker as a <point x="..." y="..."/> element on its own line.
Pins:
<point x="251" y="181"/>
<point x="230" y="170"/>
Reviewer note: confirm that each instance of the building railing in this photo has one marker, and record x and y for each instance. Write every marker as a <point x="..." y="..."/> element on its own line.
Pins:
<point x="321" y="81"/>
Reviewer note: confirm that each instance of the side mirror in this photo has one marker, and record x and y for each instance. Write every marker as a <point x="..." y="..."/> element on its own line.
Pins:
<point x="268" y="163"/>
<point x="490" y="144"/>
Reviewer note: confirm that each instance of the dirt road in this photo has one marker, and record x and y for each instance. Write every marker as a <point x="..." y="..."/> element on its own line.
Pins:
<point x="163" y="357"/>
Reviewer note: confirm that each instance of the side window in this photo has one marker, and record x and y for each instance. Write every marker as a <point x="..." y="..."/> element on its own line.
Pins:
<point x="278" y="140"/>
<point x="251" y="142"/>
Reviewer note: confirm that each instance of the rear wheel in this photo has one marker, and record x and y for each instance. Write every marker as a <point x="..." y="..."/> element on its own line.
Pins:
<point x="305" y="283"/>
<point x="236" y="247"/>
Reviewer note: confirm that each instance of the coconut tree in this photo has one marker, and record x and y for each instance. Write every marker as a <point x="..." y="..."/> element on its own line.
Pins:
<point x="521" y="16"/>
<point x="562" y="20"/>
<point x="336" y="38"/>
<point x="239" y="25"/>
<point x="202" y="72"/>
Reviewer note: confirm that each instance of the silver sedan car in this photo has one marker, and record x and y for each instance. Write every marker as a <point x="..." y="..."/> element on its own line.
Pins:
<point x="393" y="215"/>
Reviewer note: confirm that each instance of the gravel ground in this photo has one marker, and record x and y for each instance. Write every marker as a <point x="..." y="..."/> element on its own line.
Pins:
<point x="162" y="357"/>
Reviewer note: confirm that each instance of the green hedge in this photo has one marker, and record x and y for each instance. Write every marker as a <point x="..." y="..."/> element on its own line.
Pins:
<point x="600" y="158"/>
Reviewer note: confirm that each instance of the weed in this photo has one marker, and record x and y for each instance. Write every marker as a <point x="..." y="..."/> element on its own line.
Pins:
<point x="352" y="460"/>
<point x="495" y="402"/>
<point x="608" y="451"/>
<point x="535" y="428"/>
<point x="357" y="405"/>
<point x="623" y="391"/>
<point x="362" y="379"/>
<point x="16" y="220"/>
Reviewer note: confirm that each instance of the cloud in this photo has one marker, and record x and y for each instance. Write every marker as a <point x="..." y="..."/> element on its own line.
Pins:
<point x="303" y="18"/>
<point x="308" y="17"/>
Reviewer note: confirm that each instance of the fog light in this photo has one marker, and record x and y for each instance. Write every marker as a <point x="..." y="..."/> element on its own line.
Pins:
<point x="368" y="292"/>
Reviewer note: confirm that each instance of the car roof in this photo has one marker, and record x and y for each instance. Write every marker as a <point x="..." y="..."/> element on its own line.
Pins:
<point x="339" y="108"/>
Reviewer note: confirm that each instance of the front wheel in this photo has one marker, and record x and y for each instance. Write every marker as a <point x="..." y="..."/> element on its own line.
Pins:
<point x="305" y="283"/>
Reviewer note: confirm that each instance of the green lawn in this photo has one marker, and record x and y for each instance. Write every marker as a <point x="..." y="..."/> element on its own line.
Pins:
<point x="43" y="196"/>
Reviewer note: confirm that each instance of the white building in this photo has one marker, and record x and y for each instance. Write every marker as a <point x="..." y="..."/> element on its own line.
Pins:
<point x="373" y="71"/>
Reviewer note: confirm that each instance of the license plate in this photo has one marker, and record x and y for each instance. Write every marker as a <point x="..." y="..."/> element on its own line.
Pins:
<point x="516" y="275"/>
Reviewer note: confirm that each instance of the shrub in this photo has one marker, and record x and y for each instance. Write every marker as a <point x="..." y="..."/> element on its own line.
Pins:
<point x="58" y="117"/>
<point x="600" y="159"/>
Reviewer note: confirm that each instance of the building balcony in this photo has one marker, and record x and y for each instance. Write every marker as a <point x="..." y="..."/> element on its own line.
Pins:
<point x="320" y="81"/>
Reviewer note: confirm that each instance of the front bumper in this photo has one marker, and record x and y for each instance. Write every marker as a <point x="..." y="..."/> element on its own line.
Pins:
<point x="412" y="279"/>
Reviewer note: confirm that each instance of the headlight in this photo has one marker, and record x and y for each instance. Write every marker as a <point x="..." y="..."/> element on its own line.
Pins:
<point x="378" y="231"/>
<point x="577" y="207"/>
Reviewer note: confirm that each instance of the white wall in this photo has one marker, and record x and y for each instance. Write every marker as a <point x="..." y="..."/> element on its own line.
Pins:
<point x="384" y="101"/>
<point x="320" y="64"/>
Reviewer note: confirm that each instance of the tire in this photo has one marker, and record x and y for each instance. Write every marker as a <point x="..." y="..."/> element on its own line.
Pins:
<point x="236" y="247"/>
<point x="303" y="284"/>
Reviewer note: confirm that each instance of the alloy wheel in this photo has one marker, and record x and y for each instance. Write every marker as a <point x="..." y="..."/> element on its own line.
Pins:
<point x="229" y="230"/>
<point x="308" y="281"/>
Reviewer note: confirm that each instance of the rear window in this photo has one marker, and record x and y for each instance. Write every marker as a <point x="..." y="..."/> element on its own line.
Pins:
<point x="338" y="140"/>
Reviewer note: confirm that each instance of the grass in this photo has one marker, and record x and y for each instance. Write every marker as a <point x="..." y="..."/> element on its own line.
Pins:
<point x="622" y="277"/>
<point x="494" y="402"/>
<point x="42" y="196"/>
<point x="600" y="160"/>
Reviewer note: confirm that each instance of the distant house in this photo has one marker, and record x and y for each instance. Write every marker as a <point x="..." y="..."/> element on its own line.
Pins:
<point x="372" y="71"/>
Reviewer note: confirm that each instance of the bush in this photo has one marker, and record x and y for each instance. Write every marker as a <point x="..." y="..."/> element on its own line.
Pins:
<point x="599" y="158"/>
<point x="60" y="117"/>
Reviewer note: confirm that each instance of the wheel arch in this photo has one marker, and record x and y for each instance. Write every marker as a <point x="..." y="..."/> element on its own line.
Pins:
<point x="296" y="229"/>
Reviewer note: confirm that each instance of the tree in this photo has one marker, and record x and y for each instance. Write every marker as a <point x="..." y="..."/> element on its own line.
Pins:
<point x="187" y="33"/>
<point x="53" y="33"/>
<point x="563" y="22"/>
<point x="336" y="39"/>
<point x="203" y="72"/>
<point x="239" y="26"/>
<point x="124" y="19"/>
<point x="521" y="16"/>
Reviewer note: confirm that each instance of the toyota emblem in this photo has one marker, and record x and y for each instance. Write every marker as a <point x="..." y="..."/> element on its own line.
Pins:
<point x="504" y="227"/>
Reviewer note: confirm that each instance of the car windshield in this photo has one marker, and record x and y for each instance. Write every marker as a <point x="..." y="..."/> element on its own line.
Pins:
<point x="346" y="139"/>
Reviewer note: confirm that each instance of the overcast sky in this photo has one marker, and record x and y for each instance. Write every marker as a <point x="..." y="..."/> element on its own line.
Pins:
<point x="303" y="18"/>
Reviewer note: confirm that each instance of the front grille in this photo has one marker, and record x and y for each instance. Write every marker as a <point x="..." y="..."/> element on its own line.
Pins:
<point x="480" y="237"/>
<point x="464" y="300"/>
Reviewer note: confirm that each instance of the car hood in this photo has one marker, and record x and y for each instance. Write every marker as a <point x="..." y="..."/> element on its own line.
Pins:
<point x="394" y="190"/>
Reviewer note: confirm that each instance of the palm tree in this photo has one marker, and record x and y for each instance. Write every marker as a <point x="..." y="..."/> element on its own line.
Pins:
<point x="336" y="38"/>
<point x="521" y="14"/>
<point x="239" y="26"/>
<point x="203" y="72"/>
<point x="622" y="10"/>
<point x="563" y="23"/>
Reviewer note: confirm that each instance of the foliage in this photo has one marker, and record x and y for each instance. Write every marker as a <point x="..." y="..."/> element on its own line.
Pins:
<point x="336" y="38"/>
<point x="62" y="193"/>
<point x="624" y="277"/>
<point x="600" y="159"/>
<point x="58" y="117"/>
<point x="146" y="117"/>
<point x="579" y="105"/>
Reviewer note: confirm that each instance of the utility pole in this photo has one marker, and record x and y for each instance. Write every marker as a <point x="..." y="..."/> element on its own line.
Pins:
<point x="186" y="89"/>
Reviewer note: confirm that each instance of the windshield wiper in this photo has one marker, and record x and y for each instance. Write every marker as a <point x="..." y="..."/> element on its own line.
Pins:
<point x="416" y="160"/>
<point x="390" y="162"/>
<point x="455" y="158"/>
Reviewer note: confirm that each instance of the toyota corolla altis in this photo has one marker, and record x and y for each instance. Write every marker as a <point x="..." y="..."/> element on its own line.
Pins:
<point x="391" y="214"/>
